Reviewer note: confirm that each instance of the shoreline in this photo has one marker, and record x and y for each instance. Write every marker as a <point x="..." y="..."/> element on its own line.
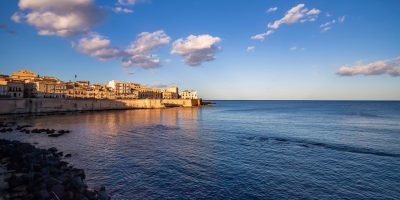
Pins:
<point x="29" y="172"/>
<point x="43" y="105"/>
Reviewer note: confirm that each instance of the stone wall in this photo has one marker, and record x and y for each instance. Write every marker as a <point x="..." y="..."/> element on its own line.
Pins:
<point x="15" y="106"/>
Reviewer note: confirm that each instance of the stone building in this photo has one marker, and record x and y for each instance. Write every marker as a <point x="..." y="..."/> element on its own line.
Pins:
<point x="23" y="75"/>
<point x="16" y="89"/>
<point x="50" y="87"/>
<point x="170" y="93"/>
<point x="4" y="86"/>
<point x="189" y="94"/>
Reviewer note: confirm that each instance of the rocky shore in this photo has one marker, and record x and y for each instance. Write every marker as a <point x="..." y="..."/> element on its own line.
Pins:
<point x="27" y="172"/>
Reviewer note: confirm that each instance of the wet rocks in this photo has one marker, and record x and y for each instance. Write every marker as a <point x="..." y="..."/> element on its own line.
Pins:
<point x="31" y="173"/>
<point x="6" y="127"/>
<point x="4" y="130"/>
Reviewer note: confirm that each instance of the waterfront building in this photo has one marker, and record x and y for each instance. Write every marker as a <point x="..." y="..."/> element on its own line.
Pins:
<point x="23" y="75"/>
<point x="125" y="90"/>
<point x="149" y="93"/>
<point x="170" y="93"/>
<point x="11" y="88"/>
<point x="27" y="84"/>
<point x="189" y="94"/>
<point x="50" y="87"/>
<point x="3" y="86"/>
<point x="15" y="89"/>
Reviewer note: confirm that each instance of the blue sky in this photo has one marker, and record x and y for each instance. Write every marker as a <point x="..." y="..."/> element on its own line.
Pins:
<point x="149" y="43"/>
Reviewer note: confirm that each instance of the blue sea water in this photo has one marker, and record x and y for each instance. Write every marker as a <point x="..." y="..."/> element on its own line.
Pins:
<point x="235" y="150"/>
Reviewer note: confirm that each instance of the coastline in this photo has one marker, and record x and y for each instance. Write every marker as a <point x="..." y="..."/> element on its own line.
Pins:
<point x="49" y="105"/>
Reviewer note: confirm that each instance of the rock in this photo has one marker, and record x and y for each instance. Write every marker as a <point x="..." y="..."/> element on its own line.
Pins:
<point x="43" y="194"/>
<point x="55" y="134"/>
<point x="32" y="173"/>
<point x="52" y="150"/>
<point x="68" y="155"/>
<point x="59" y="190"/>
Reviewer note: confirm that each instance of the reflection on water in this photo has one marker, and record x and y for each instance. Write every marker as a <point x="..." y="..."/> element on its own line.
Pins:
<point x="237" y="150"/>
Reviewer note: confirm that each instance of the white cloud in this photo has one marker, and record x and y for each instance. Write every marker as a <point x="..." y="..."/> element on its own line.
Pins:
<point x="127" y="2"/>
<point x="272" y="9"/>
<point x="92" y="42"/>
<point x="341" y="19"/>
<point x="142" y="61"/>
<point x="98" y="47"/>
<point x="297" y="14"/>
<point x="146" y="42"/>
<point x="139" y="53"/>
<point x="390" y="66"/>
<point x="196" y="49"/>
<point x="122" y="10"/>
<point x="59" y="17"/>
<point x="251" y="49"/>
<point x="293" y="48"/>
<point x="328" y="25"/>
<point x="17" y="17"/>
<point x="262" y="36"/>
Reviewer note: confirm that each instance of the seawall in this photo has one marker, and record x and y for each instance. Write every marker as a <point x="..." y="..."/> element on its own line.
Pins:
<point x="20" y="106"/>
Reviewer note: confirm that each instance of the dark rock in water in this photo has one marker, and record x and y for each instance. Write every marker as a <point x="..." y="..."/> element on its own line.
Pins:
<point x="41" y="174"/>
<point x="3" y="130"/>
<point x="52" y="150"/>
<point x="63" y="131"/>
<point x="60" y="154"/>
<point x="68" y="155"/>
<point x="55" y="134"/>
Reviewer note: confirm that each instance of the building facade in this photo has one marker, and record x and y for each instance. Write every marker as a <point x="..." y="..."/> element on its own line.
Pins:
<point x="189" y="94"/>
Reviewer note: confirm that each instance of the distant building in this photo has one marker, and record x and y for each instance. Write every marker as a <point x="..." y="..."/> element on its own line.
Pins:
<point x="16" y="89"/>
<point x="50" y="87"/>
<point x="4" y="86"/>
<point x="11" y="88"/>
<point x="125" y="90"/>
<point x="170" y="93"/>
<point x="23" y="75"/>
<point x="27" y="84"/>
<point x="189" y="94"/>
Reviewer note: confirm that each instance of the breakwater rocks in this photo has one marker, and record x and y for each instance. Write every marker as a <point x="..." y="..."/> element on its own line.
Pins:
<point x="6" y="127"/>
<point x="27" y="172"/>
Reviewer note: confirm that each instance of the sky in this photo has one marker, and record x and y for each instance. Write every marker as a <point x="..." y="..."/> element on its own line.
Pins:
<point x="224" y="49"/>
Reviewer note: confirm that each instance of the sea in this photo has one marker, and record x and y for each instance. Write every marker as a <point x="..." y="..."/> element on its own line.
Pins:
<point x="234" y="149"/>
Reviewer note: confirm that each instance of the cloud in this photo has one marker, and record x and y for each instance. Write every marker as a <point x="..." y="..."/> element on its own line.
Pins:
<point x="380" y="67"/>
<point x="272" y="9"/>
<point x="139" y="52"/>
<point x="341" y="19"/>
<point x="251" y="49"/>
<point x="196" y="49"/>
<point x="122" y="10"/>
<point x="297" y="14"/>
<point x="127" y="2"/>
<point x="262" y="36"/>
<point x="98" y="47"/>
<point x="59" y="17"/>
<point x="328" y="25"/>
<point x="293" y="48"/>
<point x="142" y="61"/>
<point x="5" y="28"/>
